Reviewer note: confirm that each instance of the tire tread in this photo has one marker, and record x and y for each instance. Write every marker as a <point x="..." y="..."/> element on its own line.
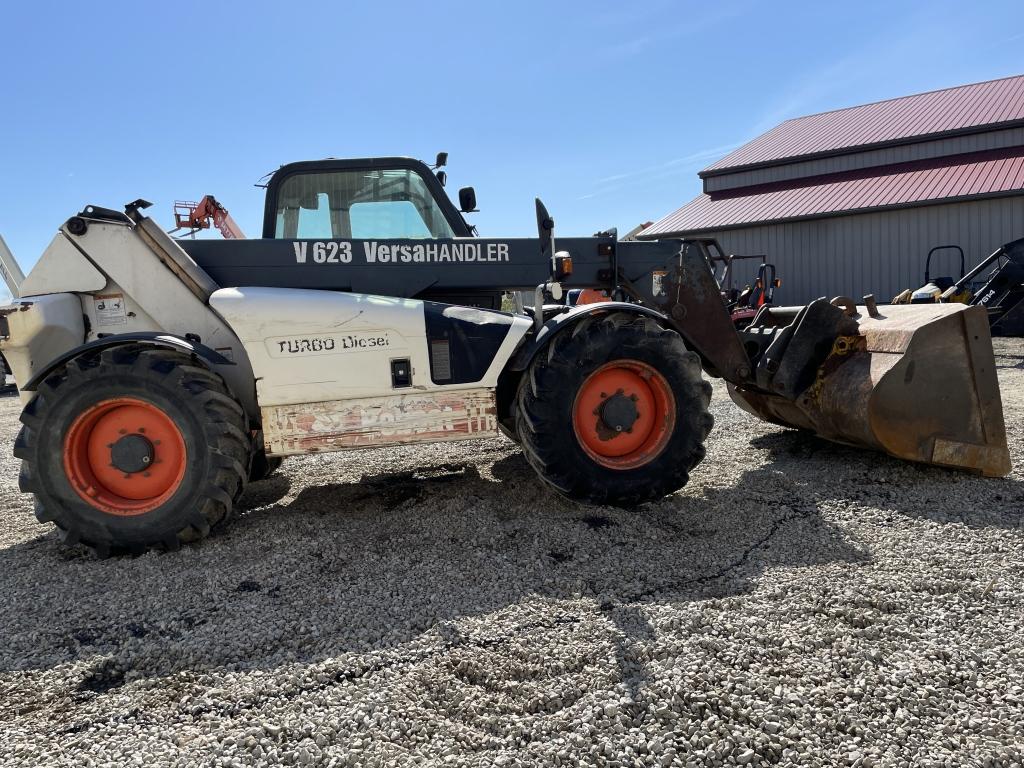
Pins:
<point x="223" y="424"/>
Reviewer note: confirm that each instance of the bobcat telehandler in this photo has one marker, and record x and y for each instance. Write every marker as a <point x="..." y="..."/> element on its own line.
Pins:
<point x="159" y="376"/>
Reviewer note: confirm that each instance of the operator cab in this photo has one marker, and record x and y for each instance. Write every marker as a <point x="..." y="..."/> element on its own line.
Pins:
<point x="320" y="214"/>
<point x="369" y="198"/>
<point x="391" y="197"/>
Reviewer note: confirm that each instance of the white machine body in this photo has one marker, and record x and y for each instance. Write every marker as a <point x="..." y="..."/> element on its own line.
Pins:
<point x="315" y="370"/>
<point x="346" y="370"/>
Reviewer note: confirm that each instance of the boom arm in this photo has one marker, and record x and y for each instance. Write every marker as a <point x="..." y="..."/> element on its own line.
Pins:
<point x="671" y="276"/>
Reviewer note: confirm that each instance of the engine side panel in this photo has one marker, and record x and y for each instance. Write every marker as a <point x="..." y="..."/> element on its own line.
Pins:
<point x="342" y="370"/>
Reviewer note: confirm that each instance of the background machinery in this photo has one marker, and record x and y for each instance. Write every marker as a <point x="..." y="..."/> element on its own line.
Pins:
<point x="196" y="216"/>
<point x="1000" y="292"/>
<point x="159" y="375"/>
<point x="743" y="303"/>
<point x="1002" y="289"/>
<point x="933" y="288"/>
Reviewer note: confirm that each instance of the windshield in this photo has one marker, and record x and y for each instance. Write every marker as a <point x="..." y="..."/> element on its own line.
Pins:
<point x="394" y="203"/>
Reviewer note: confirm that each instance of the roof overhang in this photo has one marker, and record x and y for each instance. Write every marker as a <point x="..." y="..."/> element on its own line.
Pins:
<point x="927" y="182"/>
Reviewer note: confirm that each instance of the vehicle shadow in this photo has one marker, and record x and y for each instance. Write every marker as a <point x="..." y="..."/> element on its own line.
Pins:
<point x="343" y="570"/>
<point x="874" y="479"/>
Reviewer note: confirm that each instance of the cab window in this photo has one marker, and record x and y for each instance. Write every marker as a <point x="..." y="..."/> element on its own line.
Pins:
<point x="390" y="203"/>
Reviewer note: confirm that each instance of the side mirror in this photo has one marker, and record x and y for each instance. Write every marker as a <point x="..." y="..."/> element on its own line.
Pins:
<point x="442" y="177"/>
<point x="442" y="160"/>
<point x="467" y="200"/>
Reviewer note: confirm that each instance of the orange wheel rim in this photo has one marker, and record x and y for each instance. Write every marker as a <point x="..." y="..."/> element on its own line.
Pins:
<point x="124" y="456"/>
<point x="624" y="414"/>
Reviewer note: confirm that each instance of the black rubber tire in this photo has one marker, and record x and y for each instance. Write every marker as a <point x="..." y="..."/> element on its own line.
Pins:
<point x="210" y="420"/>
<point x="263" y="466"/>
<point x="548" y="391"/>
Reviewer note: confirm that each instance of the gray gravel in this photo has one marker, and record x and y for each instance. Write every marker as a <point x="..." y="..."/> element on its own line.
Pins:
<point x="799" y="603"/>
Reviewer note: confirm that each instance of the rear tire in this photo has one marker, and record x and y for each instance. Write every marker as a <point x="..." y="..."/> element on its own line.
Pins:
<point x="614" y="411"/>
<point x="132" y="448"/>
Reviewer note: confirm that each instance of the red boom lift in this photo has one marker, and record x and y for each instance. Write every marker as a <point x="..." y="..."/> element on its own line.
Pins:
<point x="196" y="216"/>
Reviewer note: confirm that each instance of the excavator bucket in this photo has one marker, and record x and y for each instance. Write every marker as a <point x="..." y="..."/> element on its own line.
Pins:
<point x="916" y="381"/>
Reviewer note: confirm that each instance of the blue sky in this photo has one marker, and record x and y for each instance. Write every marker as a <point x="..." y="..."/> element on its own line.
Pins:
<point x="605" y="110"/>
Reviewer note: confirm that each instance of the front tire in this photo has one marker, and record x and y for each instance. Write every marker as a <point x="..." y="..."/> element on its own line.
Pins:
<point x="132" y="448"/>
<point x="615" y="411"/>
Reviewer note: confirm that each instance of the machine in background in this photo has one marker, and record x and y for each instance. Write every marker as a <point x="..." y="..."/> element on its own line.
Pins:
<point x="1001" y="291"/>
<point x="194" y="217"/>
<point x="743" y="303"/>
<point x="933" y="288"/>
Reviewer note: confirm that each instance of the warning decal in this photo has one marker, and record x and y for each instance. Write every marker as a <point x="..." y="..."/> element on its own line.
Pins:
<point x="658" y="282"/>
<point x="110" y="310"/>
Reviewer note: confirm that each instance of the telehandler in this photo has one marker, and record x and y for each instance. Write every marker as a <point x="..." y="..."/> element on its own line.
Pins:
<point x="159" y="376"/>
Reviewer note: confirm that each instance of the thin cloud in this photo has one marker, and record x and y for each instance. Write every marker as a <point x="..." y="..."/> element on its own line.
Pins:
<point x="628" y="48"/>
<point x="657" y="33"/>
<point x="711" y="153"/>
<point x="631" y="15"/>
<point x="871" y="62"/>
<point x="669" y="168"/>
<point x="803" y="95"/>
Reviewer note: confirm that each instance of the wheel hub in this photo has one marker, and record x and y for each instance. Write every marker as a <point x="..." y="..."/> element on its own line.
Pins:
<point x="124" y="456"/>
<point x="132" y="453"/>
<point x="619" y="412"/>
<point x="624" y="414"/>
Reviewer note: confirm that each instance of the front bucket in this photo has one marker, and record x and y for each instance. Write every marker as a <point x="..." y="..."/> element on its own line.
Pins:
<point x="917" y="381"/>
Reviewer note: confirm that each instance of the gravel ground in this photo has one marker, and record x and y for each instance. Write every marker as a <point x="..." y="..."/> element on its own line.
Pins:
<point x="798" y="603"/>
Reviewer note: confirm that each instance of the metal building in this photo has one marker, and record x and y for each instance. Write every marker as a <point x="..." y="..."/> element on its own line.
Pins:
<point x="850" y="201"/>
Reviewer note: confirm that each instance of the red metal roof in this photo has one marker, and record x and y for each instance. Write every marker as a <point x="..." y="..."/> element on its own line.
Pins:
<point x="924" y="114"/>
<point x="957" y="176"/>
